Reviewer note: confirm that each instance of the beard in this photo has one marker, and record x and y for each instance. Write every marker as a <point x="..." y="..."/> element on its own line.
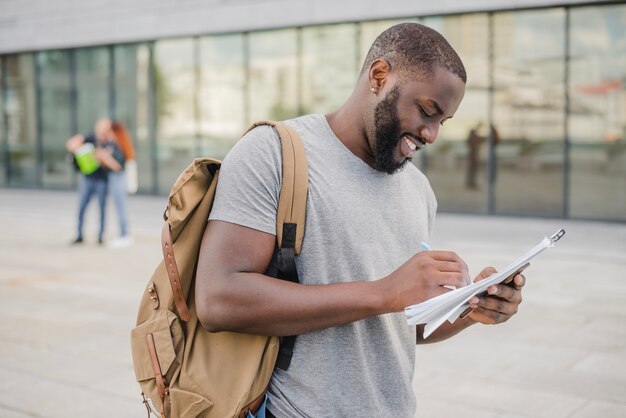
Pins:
<point x="388" y="134"/>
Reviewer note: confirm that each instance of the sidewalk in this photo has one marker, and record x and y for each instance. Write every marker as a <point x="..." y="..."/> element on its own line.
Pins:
<point x="66" y="313"/>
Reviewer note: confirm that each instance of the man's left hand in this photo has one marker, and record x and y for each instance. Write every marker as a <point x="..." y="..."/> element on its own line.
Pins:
<point x="501" y="301"/>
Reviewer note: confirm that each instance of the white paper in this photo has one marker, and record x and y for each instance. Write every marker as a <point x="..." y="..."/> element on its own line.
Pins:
<point x="450" y="305"/>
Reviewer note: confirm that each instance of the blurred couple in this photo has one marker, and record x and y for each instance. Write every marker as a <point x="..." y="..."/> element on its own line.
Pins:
<point x="106" y="159"/>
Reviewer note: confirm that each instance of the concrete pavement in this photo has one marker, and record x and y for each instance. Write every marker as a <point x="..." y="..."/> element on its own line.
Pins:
<point x="66" y="313"/>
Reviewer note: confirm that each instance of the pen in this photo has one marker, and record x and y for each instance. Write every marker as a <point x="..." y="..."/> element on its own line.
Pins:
<point x="425" y="246"/>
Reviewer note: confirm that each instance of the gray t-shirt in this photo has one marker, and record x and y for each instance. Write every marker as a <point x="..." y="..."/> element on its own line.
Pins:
<point x="361" y="225"/>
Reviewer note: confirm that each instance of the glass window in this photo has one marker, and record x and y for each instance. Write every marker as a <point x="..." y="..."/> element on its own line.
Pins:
<point x="175" y="84"/>
<point x="222" y="93"/>
<point x="597" y="121"/>
<point x="55" y="112"/>
<point x="274" y="69"/>
<point x="330" y="66"/>
<point x="456" y="164"/>
<point x="21" y="123"/>
<point x="92" y="86"/>
<point x="131" y="88"/>
<point x="3" y="145"/>
<point x="529" y="103"/>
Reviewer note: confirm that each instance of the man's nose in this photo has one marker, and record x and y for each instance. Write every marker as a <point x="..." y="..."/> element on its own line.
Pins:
<point x="429" y="133"/>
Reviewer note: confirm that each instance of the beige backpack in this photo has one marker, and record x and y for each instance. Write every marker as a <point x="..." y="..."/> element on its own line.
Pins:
<point x="183" y="370"/>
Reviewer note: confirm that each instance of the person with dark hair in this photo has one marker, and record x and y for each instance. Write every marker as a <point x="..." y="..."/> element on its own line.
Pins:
<point x="94" y="156"/>
<point x="360" y="264"/>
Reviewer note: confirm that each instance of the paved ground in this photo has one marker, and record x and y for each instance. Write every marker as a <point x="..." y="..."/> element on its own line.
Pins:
<point x="66" y="313"/>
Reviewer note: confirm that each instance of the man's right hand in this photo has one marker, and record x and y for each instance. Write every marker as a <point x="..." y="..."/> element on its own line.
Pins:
<point x="423" y="277"/>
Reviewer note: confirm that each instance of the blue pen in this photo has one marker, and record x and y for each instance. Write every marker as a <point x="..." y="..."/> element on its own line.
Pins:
<point x="425" y="246"/>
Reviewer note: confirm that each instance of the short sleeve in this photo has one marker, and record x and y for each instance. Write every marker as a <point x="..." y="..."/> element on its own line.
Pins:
<point x="249" y="182"/>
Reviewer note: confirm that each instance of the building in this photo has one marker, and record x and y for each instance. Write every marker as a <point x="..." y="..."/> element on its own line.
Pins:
<point x="541" y="131"/>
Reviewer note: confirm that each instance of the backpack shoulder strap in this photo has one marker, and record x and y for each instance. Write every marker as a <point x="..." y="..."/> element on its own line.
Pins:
<point x="293" y="193"/>
<point x="290" y="216"/>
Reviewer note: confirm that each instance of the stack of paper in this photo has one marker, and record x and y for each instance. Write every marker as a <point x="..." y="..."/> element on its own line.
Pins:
<point x="450" y="305"/>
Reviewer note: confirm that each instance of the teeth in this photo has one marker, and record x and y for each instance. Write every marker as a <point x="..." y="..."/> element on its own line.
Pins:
<point x="410" y="143"/>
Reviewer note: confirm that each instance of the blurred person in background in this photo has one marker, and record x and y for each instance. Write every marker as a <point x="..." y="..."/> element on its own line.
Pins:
<point x="474" y="142"/>
<point x="95" y="155"/>
<point x="123" y="182"/>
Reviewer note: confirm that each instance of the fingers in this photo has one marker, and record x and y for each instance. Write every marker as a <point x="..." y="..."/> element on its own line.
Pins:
<point x="450" y="269"/>
<point x="500" y="304"/>
<point x="486" y="272"/>
<point x="519" y="281"/>
<point x="486" y="316"/>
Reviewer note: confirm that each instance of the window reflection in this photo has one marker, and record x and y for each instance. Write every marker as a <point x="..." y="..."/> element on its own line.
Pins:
<point x="529" y="103"/>
<point x="273" y="86"/>
<point x="182" y="98"/>
<point x="55" y="110"/>
<point x="3" y="145"/>
<point x="92" y="86"/>
<point x="597" y="122"/>
<point x="330" y="66"/>
<point x="175" y="84"/>
<point x="21" y="126"/>
<point x="457" y="163"/>
<point x="131" y="104"/>
<point x="221" y="95"/>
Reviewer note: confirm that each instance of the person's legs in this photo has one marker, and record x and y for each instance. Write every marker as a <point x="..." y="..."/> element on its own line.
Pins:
<point x="101" y="190"/>
<point x="86" y="190"/>
<point x="117" y="188"/>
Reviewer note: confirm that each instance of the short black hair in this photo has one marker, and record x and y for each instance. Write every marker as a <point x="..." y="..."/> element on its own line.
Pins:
<point x="410" y="47"/>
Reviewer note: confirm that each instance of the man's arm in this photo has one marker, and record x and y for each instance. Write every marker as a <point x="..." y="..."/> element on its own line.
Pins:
<point x="74" y="143"/>
<point x="498" y="306"/>
<point x="233" y="294"/>
<point x="105" y="157"/>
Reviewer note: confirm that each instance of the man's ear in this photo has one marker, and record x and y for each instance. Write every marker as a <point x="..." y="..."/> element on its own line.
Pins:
<point x="379" y="70"/>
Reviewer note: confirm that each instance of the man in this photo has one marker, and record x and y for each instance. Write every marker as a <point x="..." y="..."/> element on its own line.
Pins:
<point x="360" y="265"/>
<point x="94" y="182"/>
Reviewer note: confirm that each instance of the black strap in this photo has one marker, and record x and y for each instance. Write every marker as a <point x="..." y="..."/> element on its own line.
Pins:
<point x="286" y="264"/>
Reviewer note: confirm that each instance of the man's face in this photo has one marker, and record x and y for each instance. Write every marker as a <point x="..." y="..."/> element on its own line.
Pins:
<point x="103" y="129"/>
<point x="409" y="117"/>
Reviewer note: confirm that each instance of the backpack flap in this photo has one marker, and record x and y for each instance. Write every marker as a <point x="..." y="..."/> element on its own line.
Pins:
<point x="192" y="192"/>
<point x="188" y="191"/>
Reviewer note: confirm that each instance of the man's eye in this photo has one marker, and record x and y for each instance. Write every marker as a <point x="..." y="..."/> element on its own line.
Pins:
<point x="423" y="112"/>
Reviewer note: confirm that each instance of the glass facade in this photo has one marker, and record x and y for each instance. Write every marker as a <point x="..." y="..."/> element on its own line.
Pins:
<point x="275" y="72"/>
<point x="597" y="112"/>
<point x="457" y="163"/>
<point x="175" y="84"/>
<point x="324" y="86"/>
<point x="541" y="130"/>
<point x="92" y="86"/>
<point x="529" y="111"/>
<point x="56" y="108"/>
<point x="131" y="97"/>
<point x="19" y="124"/>
<point x="222" y="94"/>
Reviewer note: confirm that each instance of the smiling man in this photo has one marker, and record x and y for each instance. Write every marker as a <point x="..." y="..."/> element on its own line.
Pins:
<point x="360" y="265"/>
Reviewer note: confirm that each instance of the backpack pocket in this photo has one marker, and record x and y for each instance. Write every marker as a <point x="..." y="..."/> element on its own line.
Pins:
<point x="155" y="344"/>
